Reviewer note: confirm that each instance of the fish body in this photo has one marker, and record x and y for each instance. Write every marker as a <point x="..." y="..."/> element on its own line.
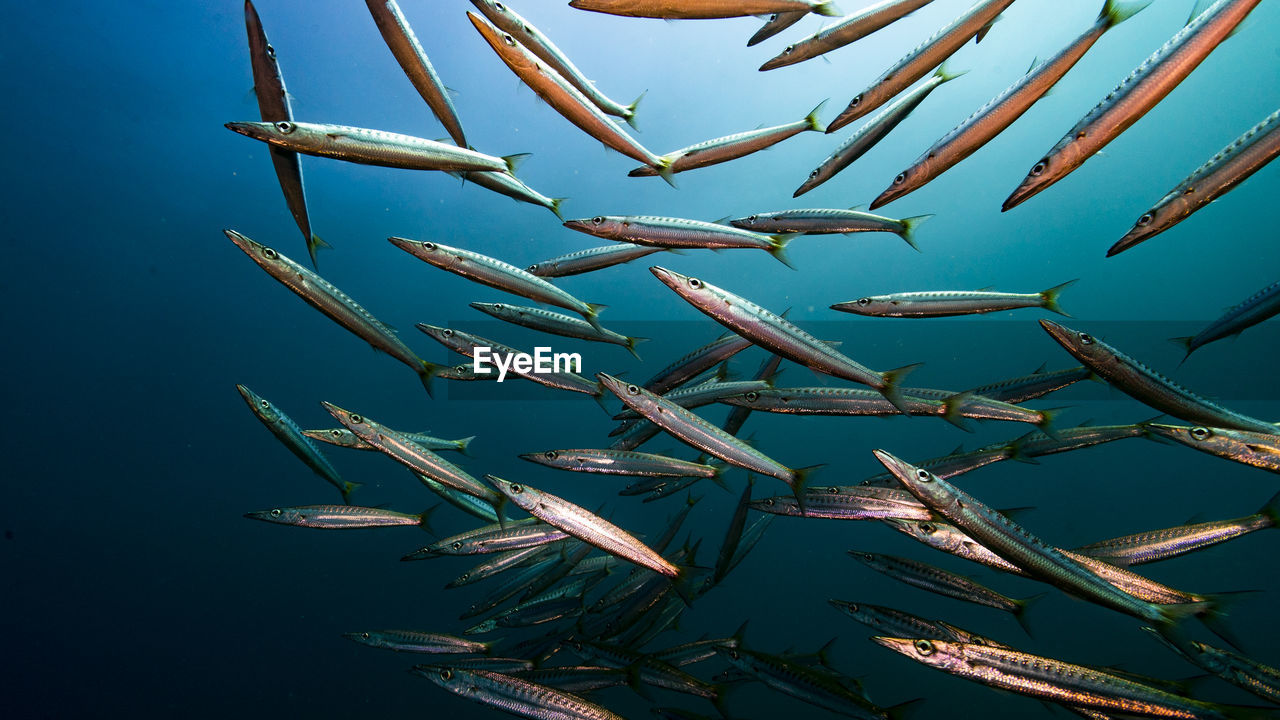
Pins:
<point x="695" y="362"/>
<point x="504" y="183"/>
<point x="847" y="30"/>
<point x="622" y="462"/>
<point x="950" y="303"/>
<point x="273" y="106"/>
<point x="1254" y="309"/>
<point x="466" y="343"/>
<point x="779" y="336"/>
<point x="896" y="623"/>
<point x="1261" y="450"/>
<point x="937" y="580"/>
<point x="1142" y="90"/>
<point x="584" y="261"/>
<point x="465" y="502"/>
<point x="556" y="324"/>
<point x="365" y="146"/>
<point x="334" y="303"/>
<point x="339" y="517"/>
<point x="418" y="642"/>
<point x="514" y="695"/>
<point x="702" y="9"/>
<point x="847" y="503"/>
<point x="732" y="147"/>
<point x="672" y="233"/>
<point x="823" y="221"/>
<point x="857" y="401"/>
<point x="704" y="394"/>
<point x="492" y="540"/>
<point x="738" y="414"/>
<point x="343" y="437"/>
<point x="292" y="437"/>
<point x="1148" y="386"/>
<point x="819" y="687"/>
<point x="917" y="63"/>
<point x="1029" y="387"/>
<point x="1003" y="110"/>
<point x="875" y="130"/>
<point x="586" y="526"/>
<point x="507" y="20"/>
<point x="413" y="60"/>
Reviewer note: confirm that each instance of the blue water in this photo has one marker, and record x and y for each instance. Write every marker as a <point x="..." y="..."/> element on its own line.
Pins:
<point x="134" y="585"/>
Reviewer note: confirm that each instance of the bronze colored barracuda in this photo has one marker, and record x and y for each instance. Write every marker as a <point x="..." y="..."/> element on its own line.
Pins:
<point x="776" y="23"/>
<point x="1142" y="90"/>
<point x="822" y="221"/>
<point x="1261" y="450"/>
<point x="273" y="106"/>
<point x="732" y="147"/>
<point x="702" y="9"/>
<point x="337" y="305"/>
<point x="1003" y="110"/>
<point x="413" y="60"/>
<point x="846" y="30"/>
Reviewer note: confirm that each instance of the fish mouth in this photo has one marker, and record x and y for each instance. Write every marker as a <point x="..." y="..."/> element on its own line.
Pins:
<point x="1023" y="193"/>
<point x="1133" y="237"/>
<point x="581" y="225"/>
<point x="772" y="64"/>
<point x="1172" y="432"/>
<point x="337" y="412"/>
<point x="849" y="307"/>
<point x="486" y="28"/>
<point x="905" y="646"/>
<point x="244" y="128"/>
<point x="886" y="197"/>
<point x="899" y="467"/>
<point x="1064" y="335"/>
<point x="248" y="395"/>
<point x="242" y="241"/>
<point x="613" y="384"/>
<point x="670" y="278"/>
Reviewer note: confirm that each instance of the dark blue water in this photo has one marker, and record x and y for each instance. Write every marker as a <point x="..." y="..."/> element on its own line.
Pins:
<point x="134" y="584"/>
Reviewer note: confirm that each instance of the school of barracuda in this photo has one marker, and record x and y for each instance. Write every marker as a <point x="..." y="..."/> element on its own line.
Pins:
<point x="583" y="604"/>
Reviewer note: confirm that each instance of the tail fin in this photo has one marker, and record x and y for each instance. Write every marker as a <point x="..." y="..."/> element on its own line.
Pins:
<point x="555" y="207"/>
<point x="514" y="161"/>
<point x="801" y="481"/>
<point x="1186" y="343"/>
<point x="909" y="226"/>
<point x="812" y="117"/>
<point x="1050" y="297"/>
<point x="827" y="8"/>
<point x="1046" y="424"/>
<point x="592" y="315"/>
<point x="1272" y="510"/>
<point x="777" y="248"/>
<point x="665" y="170"/>
<point x="630" y="115"/>
<point x="424" y="519"/>
<point x="347" y="488"/>
<point x="631" y="345"/>
<point x="314" y="243"/>
<point x="953" y="410"/>
<point x="1021" y="613"/>
<point x="944" y="74"/>
<point x="891" y="391"/>
<point x="429" y="370"/>
<point x="1113" y="12"/>
<point x="464" y="445"/>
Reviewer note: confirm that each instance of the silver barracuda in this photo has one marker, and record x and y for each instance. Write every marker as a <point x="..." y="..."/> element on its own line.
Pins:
<point x="506" y="19"/>
<point x="1142" y="90"/>
<point x="492" y="539"/>
<point x="1146" y="385"/>
<point x="1261" y="450"/>
<point x="514" y="695"/>
<point x="370" y="147"/>
<point x="413" y="60"/>
<point x="1232" y="165"/>
<point x="343" y="437"/>
<point x="1029" y="387"/>
<point x="776" y="23"/>
<point x="1245" y="673"/>
<point x="335" y="304"/>
<point x="623" y="462"/>
<point x="875" y="130"/>
<point x="340" y="517"/>
<point x="680" y="233"/>
<point x="847" y="30"/>
<point x="501" y="562"/>
<point x="936" y="580"/>
<point x="704" y="394"/>
<point x="584" y="261"/>
<point x="292" y="437"/>
<point x="273" y="106"/>
<point x="702" y="9"/>
<point x="1155" y="545"/>
<point x="950" y="303"/>
<point x="779" y="336"/>
<point x="1259" y="306"/>
<point x="497" y="274"/>
<point x="695" y="362"/>
<point x="504" y="183"/>
<point x="822" y="221"/>
<point x="410" y="454"/>
<point x="888" y="621"/>
<point x="557" y="324"/>
<point x="732" y="147"/>
<point x="917" y="63"/>
<point x="698" y="433"/>
<point x="561" y="95"/>
<point x="504" y="356"/>
<point x="847" y="503"/>
<point x="419" y="642"/>
<point x="1003" y="110"/>
<point x="738" y="415"/>
<point x="465" y="502"/>
<point x="1038" y="559"/>
<point x="586" y="526"/>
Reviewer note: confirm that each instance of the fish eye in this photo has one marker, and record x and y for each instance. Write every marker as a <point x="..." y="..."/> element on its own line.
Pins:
<point x="695" y="283"/>
<point x="447" y="332"/>
<point x="752" y="396"/>
<point x="428" y="245"/>
<point x="633" y="390"/>
<point x="813" y="174"/>
<point x="768" y="502"/>
<point x="1146" y="220"/>
<point x="516" y="489"/>
<point x="788" y="49"/>
<point x="356" y="419"/>
<point x="464" y="576"/>
<point x="902" y="177"/>
<point x="276" y="512"/>
<point x="733" y="654"/>
<point x="271" y="52"/>
<point x="1040" y="167"/>
<point x="1086" y="339"/>
<point x="856" y="101"/>
<point x="924" y="647"/>
<point x="864" y="301"/>
<point x="364" y="635"/>
<point x="508" y="40"/>
<point x="751" y="218"/>
<point x="1200" y="433"/>
<point x="833" y="490"/>
<point x="336" y="433"/>
<point x="457" y="545"/>
<point x="446" y="674"/>
<point x="868" y="556"/>
<point x="551" y="454"/>
<point x="271" y="254"/>
<point x="500" y="6"/>
<point x="285" y="126"/>
<point x="531" y="268"/>
<point x="266" y="404"/>
<point x="928" y="528"/>
<point x="924" y="475"/>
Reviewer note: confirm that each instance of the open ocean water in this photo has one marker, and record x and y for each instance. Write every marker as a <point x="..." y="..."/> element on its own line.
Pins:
<point x="133" y="585"/>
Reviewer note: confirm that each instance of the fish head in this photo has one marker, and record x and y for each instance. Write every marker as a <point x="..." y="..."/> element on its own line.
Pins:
<point x="929" y="488"/>
<point x="782" y="59"/>
<point x="926" y="531"/>
<point x="264" y="131"/>
<point x="550" y="458"/>
<point x="266" y="257"/>
<point x="455" y="680"/>
<point x="497" y="310"/>
<point x="1065" y="157"/>
<point x="279" y="516"/>
<point x="685" y="286"/>
<point x="443" y="335"/>
<point x="935" y="653"/>
<point x="906" y="181"/>
<point x="780" y="505"/>
<point x="441" y="256"/>
<point x="515" y="55"/>
<point x="372" y="639"/>
<point x="1173" y="208"/>
<point x="750" y="222"/>
<point x="260" y="406"/>
<point x="522" y="495"/>
<point x="603" y="226"/>
<point x="542" y="269"/>
<point x="498" y="13"/>
<point x="353" y="422"/>
<point x="334" y="436"/>
<point x="817" y="176"/>
<point x="629" y="393"/>
<point x="871" y="560"/>
<point x="870" y="305"/>
<point x="1085" y="347"/>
